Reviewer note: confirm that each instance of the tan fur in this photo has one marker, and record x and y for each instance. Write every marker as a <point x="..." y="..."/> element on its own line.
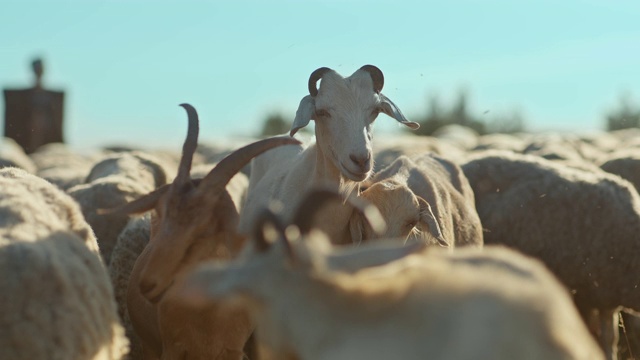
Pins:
<point x="474" y="304"/>
<point x="56" y="298"/>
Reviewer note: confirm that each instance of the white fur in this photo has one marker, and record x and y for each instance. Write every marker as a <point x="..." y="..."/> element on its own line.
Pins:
<point x="473" y="304"/>
<point x="343" y="110"/>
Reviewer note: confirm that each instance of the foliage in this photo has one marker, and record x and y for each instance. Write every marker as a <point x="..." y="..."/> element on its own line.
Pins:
<point x="626" y="115"/>
<point x="275" y="124"/>
<point x="459" y="114"/>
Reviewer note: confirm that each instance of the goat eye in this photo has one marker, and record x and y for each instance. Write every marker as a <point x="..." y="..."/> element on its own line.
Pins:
<point x="411" y="224"/>
<point x="322" y="113"/>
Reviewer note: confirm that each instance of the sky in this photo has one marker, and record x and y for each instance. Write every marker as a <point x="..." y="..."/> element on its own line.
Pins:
<point x="125" y="65"/>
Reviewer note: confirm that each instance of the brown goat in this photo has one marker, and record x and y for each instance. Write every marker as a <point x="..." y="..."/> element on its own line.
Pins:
<point x="195" y="220"/>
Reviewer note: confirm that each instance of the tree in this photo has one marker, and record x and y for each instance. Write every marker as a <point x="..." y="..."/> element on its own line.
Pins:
<point x="625" y="116"/>
<point x="275" y="124"/>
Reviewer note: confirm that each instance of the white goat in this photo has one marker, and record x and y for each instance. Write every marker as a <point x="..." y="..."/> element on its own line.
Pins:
<point x="423" y="196"/>
<point x="344" y="110"/>
<point x="473" y="304"/>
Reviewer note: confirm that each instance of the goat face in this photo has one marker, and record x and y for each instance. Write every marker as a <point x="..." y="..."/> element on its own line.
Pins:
<point x="344" y="110"/>
<point x="402" y="210"/>
<point x="191" y="226"/>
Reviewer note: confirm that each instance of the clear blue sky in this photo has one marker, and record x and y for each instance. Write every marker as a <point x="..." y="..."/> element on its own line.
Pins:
<point x="127" y="64"/>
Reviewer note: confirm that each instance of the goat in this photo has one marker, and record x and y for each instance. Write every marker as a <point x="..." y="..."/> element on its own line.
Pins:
<point x="423" y="196"/>
<point x="195" y="220"/>
<point x="431" y="304"/>
<point x="344" y="110"/>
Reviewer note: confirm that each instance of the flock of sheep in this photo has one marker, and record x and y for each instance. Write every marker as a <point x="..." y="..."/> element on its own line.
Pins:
<point x="455" y="246"/>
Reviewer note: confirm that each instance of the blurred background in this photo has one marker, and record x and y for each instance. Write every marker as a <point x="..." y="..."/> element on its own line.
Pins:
<point x="496" y="66"/>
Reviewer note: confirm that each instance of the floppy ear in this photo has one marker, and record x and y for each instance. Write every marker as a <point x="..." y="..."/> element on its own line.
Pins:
<point x="427" y="217"/>
<point x="389" y="108"/>
<point x="306" y="111"/>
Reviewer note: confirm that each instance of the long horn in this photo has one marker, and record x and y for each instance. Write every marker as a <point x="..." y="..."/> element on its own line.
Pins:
<point x="220" y="175"/>
<point x="189" y="147"/>
<point x="139" y="205"/>
<point x="376" y="76"/>
<point x="313" y="79"/>
<point x="317" y="198"/>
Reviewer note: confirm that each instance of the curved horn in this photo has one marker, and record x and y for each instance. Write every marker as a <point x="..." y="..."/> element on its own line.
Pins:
<point x="220" y="175"/>
<point x="376" y="76"/>
<point x="189" y="147"/>
<point x="317" y="198"/>
<point x="313" y="79"/>
<point x="139" y="205"/>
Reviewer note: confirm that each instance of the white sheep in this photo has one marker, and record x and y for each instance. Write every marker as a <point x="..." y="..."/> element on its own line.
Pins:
<point x="472" y="304"/>
<point x="55" y="295"/>
<point x="107" y="192"/>
<point x="196" y="220"/>
<point x="424" y="196"/>
<point x="624" y="163"/>
<point x="12" y="155"/>
<point x="63" y="166"/>
<point x="390" y="147"/>
<point x="344" y="110"/>
<point x="130" y="244"/>
<point x="583" y="225"/>
<point x="114" y="180"/>
<point x="138" y="166"/>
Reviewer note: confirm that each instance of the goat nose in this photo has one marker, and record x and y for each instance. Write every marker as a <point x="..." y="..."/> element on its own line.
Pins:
<point x="361" y="161"/>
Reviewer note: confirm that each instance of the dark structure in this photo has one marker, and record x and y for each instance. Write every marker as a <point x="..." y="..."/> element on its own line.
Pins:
<point x="34" y="116"/>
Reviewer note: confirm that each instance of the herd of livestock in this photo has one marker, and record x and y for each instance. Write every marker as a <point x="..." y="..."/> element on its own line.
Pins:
<point x="450" y="247"/>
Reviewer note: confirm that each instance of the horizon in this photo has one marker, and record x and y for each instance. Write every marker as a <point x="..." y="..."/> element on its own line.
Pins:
<point x="126" y="65"/>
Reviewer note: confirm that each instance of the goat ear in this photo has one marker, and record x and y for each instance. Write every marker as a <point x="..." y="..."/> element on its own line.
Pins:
<point x="389" y="108"/>
<point x="427" y="217"/>
<point x="306" y="112"/>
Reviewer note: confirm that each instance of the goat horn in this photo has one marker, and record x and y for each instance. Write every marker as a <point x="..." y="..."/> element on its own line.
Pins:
<point x="189" y="147"/>
<point x="376" y="76"/>
<point x="220" y="175"/>
<point x="139" y="205"/>
<point x="317" y="198"/>
<point x="313" y="79"/>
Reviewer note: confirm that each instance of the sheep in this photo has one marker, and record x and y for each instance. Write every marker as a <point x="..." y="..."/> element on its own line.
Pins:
<point x="500" y="142"/>
<point x="582" y="225"/>
<point x="391" y="147"/>
<point x="12" y="155"/>
<point x="107" y="192"/>
<point x="56" y="298"/>
<point x="424" y="196"/>
<point x="196" y="220"/>
<point x="563" y="147"/>
<point x="135" y="165"/>
<point x="130" y="244"/>
<point x="624" y="163"/>
<point x="344" y="110"/>
<point x="490" y="303"/>
<point x="461" y="136"/>
<point x="114" y="180"/>
<point x="62" y="166"/>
